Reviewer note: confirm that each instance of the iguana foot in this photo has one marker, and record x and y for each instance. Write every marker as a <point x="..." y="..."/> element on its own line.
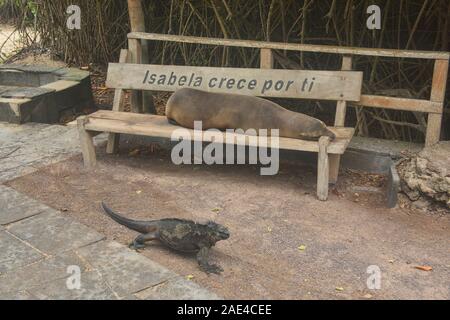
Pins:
<point x="212" y="268"/>
<point x="136" y="246"/>
<point x="202" y="258"/>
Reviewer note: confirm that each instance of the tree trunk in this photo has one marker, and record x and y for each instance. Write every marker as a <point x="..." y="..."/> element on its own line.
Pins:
<point x="137" y="24"/>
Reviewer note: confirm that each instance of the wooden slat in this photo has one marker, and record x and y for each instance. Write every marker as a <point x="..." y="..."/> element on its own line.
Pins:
<point x="339" y="121"/>
<point x="135" y="56"/>
<point x="400" y="104"/>
<point x="437" y="96"/>
<point x="292" y="46"/>
<point x="341" y="108"/>
<point x="119" y="95"/>
<point x="158" y="126"/>
<point x="306" y="84"/>
<point x="439" y="80"/>
<point x="266" y="59"/>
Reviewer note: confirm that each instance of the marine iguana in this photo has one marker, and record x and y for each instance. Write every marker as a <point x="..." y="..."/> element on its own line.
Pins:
<point x="177" y="234"/>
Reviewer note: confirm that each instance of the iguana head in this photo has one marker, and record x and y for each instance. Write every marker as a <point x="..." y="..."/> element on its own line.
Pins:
<point x="217" y="231"/>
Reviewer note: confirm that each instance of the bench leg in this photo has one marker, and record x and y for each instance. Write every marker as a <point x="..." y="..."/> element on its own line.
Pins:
<point x="114" y="138"/>
<point x="87" y="144"/>
<point x="113" y="143"/>
<point x="119" y="94"/>
<point x="335" y="161"/>
<point x="323" y="169"/>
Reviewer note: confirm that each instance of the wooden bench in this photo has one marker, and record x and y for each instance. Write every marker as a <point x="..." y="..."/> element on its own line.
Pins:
<point x="341" y="86"/>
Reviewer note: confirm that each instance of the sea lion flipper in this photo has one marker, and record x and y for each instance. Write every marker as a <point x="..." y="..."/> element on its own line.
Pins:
<point x="171" y="121"/>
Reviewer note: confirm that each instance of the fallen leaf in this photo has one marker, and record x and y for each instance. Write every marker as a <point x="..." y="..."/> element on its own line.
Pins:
<point x="336" y="192"/>
<point x="340" y="289"/>
<point x="216" y="210"/>
<point x="424" y="268"/>
<point x="101" y="88"/>
<point x="190" y="277"/>
<point x="302" y="248"/>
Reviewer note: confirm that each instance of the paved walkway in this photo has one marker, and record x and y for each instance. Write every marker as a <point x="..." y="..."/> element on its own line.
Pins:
<point x="45" y="255"/>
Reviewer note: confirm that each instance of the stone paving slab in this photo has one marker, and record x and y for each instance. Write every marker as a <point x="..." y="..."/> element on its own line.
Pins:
<point x="17" y="296"/>
<point x="15" y="254"/>
<point x="30" y="68"/>
<point x="92" y="287"/>
<point x="25" y="92"/>
<point x="15" y="206"/>
<point x="177" y="289"/>
<point x="71" y="74"/>
<point x="44" y="271"/>
<point x="125" y="270"/>
<point x="53" y="233"/>
<point x="6" y="88"/>
<point x="35" y="145"/>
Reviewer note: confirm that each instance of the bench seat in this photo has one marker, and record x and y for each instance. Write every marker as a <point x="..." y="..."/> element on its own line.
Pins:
<point x="158" y="126"/>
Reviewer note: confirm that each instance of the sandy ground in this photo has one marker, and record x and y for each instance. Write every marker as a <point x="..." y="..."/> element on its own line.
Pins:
<point x="8" y="40"/>
<point x="269" y="219"/>
<point x="10" y="44"/>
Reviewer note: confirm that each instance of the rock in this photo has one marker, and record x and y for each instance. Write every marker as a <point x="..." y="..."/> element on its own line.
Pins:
<point x="421" y="204"/>
<point x="427" y="174"/>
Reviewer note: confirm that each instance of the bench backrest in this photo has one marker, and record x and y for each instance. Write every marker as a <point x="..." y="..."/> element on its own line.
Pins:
<point x="300" y="84"/>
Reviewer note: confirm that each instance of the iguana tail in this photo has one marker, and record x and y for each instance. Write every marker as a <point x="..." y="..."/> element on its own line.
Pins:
<point x="139" y="226"/>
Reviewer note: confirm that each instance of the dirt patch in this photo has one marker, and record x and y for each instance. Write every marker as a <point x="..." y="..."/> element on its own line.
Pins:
<point x="35" y="56"/>
<point x="285" y="244"/>
<point x="9" y="40"/>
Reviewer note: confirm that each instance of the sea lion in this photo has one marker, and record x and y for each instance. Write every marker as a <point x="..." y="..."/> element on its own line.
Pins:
<point x="233" y="111"/>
